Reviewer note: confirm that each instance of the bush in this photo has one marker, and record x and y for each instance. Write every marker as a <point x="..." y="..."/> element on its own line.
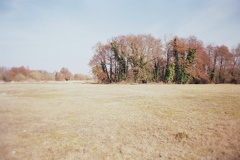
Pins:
<point x="59" y="77"/>
<point x="79" y="77"/>
<point x="20" y="77"/>
<point x="36" y="75"/>
<point x="6" y="77"/>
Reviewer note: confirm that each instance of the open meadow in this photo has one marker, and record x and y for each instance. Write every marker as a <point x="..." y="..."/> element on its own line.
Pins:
<point x="66" y="120"/>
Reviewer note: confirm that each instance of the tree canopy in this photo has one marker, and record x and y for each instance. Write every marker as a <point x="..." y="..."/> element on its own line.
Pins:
<point x="144" y="58"/>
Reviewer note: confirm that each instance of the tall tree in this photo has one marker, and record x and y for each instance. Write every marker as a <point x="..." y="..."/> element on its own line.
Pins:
<point x="170" y="66"/>
<point x="224" y="57"/>
<point x="197" y="61"/>
<point x="100" y="63"/>
<point x="128" y="58"/>
<point x="143" y="58"/>
<point x="235" y="69"/>
<point x="212" y="53"/>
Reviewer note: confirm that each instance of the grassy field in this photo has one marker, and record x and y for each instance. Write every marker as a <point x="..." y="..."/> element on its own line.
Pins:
<point x="89" y="121"/>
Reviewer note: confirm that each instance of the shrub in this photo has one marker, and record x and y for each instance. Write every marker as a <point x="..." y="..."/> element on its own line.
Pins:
<point x="20" y="77"/>
<point x="59" y="77"/>
<point x="36" y="75"/>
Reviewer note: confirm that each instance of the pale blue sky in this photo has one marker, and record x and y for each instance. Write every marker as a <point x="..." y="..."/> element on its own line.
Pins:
<point x="51" y="34"/>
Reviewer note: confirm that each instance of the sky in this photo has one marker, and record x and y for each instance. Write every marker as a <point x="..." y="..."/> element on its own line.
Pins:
<point x="51" y="34"/>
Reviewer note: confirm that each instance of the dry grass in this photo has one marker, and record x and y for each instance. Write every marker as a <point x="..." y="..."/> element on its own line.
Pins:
<point x="89" y="121"/>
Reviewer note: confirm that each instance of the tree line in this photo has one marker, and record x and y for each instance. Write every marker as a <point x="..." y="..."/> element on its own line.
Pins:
<point x="143" y="58"/>
<point x="25" y="74"/>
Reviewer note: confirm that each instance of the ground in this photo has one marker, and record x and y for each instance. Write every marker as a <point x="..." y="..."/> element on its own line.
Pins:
<point x="120" y="121"/>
